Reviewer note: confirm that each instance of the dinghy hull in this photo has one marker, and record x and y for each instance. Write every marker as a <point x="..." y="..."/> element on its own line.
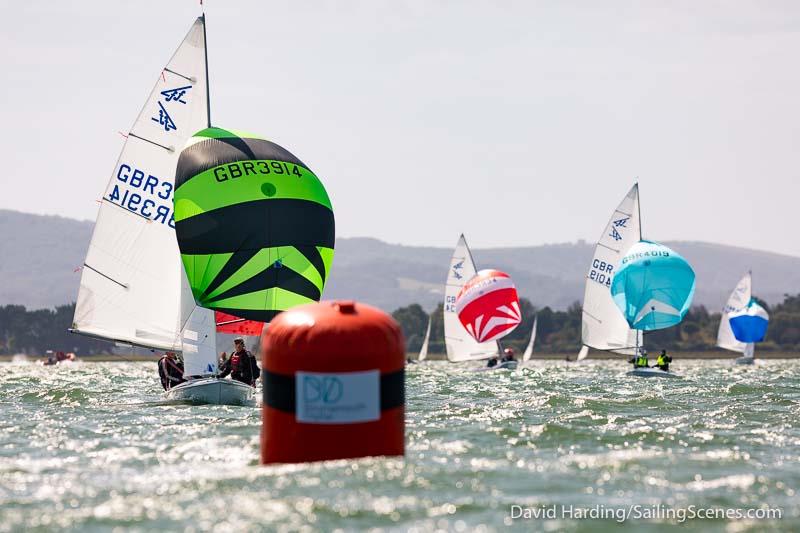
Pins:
<point x="212" y="391"/>
<point x="652" y="373"/>
<point x="745" y="361"/>
<point x="508" y="365"/>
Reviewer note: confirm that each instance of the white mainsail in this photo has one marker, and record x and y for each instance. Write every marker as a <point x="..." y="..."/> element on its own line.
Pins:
<point x="526" y="355"/>
<point x="737" y="301"/>
<point x="459" y="344"/>
<point x="423" y="352"/>
<point x="604" y="327"/>
<point x="133" y="288"/>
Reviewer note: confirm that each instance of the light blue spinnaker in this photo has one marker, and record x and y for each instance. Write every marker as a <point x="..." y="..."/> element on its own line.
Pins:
<point x="653" y="286"/>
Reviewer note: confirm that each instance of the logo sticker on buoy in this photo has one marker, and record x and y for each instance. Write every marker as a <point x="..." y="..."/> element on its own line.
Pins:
<point x="337" y="398"/>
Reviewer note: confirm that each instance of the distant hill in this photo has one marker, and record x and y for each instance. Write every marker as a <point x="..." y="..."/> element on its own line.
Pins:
<point x="39" y="255"/>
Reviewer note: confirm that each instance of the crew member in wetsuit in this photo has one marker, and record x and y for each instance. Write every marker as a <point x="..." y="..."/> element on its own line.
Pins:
<point x="170" y="370"/>
<point x="241" y="365"/>
<point x="663" y="361"/>
<point x="491" y="363"/>
<point x="508" y="355"/>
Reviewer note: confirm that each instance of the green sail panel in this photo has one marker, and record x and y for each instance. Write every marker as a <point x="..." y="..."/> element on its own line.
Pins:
<point x="254" y="224"/>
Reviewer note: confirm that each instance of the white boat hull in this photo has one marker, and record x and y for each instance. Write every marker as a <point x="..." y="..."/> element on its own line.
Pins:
<point x="213" y="391"/>
<point x="652" y="373"/>
<point x="745" y="361"/>
<point x="508" y="365"/>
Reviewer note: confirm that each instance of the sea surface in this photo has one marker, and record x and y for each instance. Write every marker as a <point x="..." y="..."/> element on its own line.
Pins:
<point x="93" y="447"/>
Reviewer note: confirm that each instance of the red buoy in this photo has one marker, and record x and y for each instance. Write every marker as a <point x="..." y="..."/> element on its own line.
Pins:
<point x="334" y="384"/>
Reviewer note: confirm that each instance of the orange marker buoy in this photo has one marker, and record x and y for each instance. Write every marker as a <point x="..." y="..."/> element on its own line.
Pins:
<point x="334" y="384"/>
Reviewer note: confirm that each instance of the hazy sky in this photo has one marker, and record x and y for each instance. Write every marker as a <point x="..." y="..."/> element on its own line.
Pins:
<point x="517" y="123"/>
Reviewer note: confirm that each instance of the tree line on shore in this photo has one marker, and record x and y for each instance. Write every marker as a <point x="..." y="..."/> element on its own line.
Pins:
<point x="33" y="332"/>
<point x="560" y="331"/>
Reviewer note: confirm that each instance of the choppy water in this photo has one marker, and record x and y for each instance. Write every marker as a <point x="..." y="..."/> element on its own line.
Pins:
<point x="92" y="447"/>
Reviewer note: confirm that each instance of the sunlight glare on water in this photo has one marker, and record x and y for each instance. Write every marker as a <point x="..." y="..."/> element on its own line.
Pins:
<point x="93" y="446"/>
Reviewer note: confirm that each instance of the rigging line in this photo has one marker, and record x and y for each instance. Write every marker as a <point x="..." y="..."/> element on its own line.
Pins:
<point x="107" y="277"/>
<point x="167" y="148"/>
<point x="104" y="199"/>
<point x="193" y="80"/>
<point x="591" y="315"/>
<point x="208" y="85"/>
<point x="608" y="247"/>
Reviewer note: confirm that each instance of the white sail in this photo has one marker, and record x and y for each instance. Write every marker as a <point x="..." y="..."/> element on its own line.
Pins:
<point x="604" y="327"/>
<point x="423" y="352"/>
<point x="131" y="283"/>
<point x="583" y="354"/>
<point x="526" y="355"/>
<point x="459" y="344"/>
<point x="738" y="300"/>
<point x="199" y="344"/>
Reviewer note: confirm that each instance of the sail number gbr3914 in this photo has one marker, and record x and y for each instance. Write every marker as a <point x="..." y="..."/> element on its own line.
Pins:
<point x="231" y="171"/>
<point x="142" y="193"/>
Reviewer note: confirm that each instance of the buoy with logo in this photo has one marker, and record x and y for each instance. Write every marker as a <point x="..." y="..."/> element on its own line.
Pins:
<point x="334" y="384"/>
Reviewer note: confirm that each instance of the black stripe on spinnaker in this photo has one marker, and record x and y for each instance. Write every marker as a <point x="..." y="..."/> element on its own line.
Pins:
<point x="271" y="276"/>
<point x="237" y="260"/>
<point x="257" y="224"/>
<point x="209" y="153"/>
<point x="312" y="254"/>
<point x="280" y="390"/>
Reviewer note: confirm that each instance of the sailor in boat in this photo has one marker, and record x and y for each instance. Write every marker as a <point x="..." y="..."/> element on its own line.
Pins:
<point x="170" y="370"/>
<point x="640" y="361"/>
<point x="241" y="365"/>
<point x="663" y="361"/>
<point x="493" y="362"/>
<point x="508" y="355"/>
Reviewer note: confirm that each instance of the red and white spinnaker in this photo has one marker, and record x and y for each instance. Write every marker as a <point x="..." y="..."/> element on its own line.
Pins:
<point x="488" y="306"/>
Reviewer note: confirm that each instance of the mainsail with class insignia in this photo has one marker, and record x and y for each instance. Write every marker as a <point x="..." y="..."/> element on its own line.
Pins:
<point x="603" y="327"/>
<point x="459" y="344"/>
<point x="254" y="224"/>
<point x="133" y="289"/>
<point x="743" y="322"/>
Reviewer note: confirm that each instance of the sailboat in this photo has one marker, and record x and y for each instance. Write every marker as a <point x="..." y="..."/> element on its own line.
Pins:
<point x="459" y="344"/>
<point x="423" y="351"/>
<point x="653" y="287"/>
<point x="133" y="286"/>
<point x="603" y="326"/>
<point x="526" y="355"/>
<point x="743" y="322"/>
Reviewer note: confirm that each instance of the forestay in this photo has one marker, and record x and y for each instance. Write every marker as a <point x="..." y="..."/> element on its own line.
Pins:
<point x="459" y="343"/>
<point x="603" y="326"/>
<point x="130" y="287"/>
<point x="737" y="301"/>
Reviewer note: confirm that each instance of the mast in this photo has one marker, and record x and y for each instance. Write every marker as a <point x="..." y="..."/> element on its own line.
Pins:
<point x="639" y="209"/>
<point x="208" y="88"/>
<point x="638" y="200"/>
